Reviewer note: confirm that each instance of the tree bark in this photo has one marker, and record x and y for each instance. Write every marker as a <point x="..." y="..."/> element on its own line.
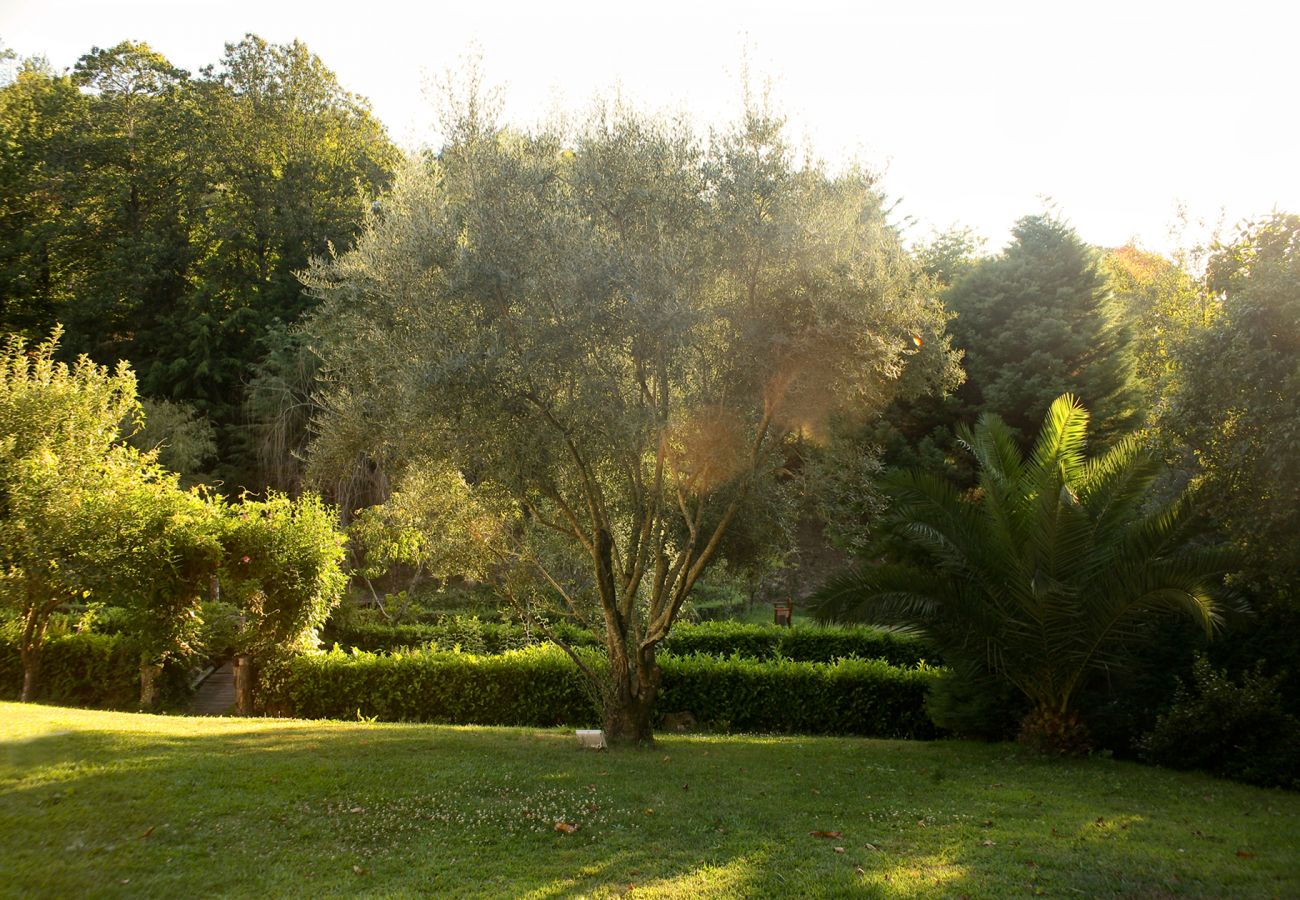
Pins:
<point x="30" y="653"/>
<point x="31" y="671"/>
<point x="630" y="706"/>
<point x="150" y="689"/>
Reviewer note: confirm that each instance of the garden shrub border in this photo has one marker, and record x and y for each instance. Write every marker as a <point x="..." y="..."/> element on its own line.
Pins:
<point x="724" y="639"/>
<point x="540" y="686"/>
<point x="87" y="669"/>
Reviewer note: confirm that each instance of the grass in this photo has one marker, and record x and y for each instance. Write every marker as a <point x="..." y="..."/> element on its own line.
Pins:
<point x="98" y="803"/>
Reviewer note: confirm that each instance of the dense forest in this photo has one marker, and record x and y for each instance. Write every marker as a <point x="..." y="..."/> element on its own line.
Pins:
<point x="236" y="233"/>
<point x="162" y="217"/>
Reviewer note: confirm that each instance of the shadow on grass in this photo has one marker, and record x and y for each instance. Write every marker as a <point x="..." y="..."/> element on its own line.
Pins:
<point x="241" y="807"/>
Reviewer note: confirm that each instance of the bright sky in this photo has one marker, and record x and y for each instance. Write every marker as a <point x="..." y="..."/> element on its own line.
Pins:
<point x="1117" y="111"/>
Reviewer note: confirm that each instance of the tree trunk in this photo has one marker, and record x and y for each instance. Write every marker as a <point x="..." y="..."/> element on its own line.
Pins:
<point x="1054" y="731"/>
<point x="630" y="705"/>
<point x="30" y="653"/>
<point x="31" y="670"/>
<point x="150" y="688"/>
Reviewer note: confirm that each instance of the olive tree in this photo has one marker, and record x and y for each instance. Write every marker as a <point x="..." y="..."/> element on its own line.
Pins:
<point x="613" y="334"/>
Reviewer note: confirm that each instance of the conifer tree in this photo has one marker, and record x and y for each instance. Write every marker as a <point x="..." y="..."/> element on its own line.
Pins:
<point x="1038" y="321"/>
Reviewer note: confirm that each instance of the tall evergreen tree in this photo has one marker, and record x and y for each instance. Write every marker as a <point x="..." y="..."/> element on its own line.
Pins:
<point x="1037" y="321"/>
<point x="41" y="114"/>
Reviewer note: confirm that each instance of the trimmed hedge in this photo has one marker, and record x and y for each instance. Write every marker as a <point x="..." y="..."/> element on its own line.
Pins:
<point x="81" y="669"/>
<point x="531" y="686"/>
<point x="714" y="638"/>
<point x="867" y="697"/>
<point x="803" y="644"/>
<point x="469" y="633"/>
<point x="540" y="686"/>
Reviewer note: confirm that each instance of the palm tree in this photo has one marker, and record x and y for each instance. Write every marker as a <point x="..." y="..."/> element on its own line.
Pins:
<point x="1047" y="572"/>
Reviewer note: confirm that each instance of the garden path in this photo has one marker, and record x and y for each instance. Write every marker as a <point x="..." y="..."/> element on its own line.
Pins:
<point x="216" y="695"/>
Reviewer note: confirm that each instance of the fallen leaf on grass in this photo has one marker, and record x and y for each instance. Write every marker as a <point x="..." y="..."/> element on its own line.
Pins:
<point x="839" y="849"/>
<point x="148" y="831"/>
<point x="1245" y="854"/>
<point x="873" y="847"/>
<point x="860" y="870"/>
<point x="988" y="843"/>
<point x="565" y="827"/>
<point x="359" y="870"/>
<point x="827" y="834"/>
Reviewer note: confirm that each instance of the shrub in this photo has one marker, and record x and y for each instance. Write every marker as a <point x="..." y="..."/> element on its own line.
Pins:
<point x="469" y="633"/>
<point x="533" y="686"/>
<point x="87" y="669"/>
<point x="970" y="702"/>
<point x="713" y="638"/>
<point x="1240" y="731"/>
<point x="798" y="643"/>
<point x="540" y="686"/>
<point x="850" y="696"/>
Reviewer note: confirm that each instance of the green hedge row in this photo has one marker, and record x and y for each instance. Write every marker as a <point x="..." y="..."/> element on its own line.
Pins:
<point x="83" y="669"/>
<point x="715" y="638"/>
<point x="866" y="697"/>
<point x="803" y="644"/>
<point x="540" y="686"/>
<point x="531" y="686"/>
<point x="469" y="633"/>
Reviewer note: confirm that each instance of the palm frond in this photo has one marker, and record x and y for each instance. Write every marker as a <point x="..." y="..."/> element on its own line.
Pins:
<point x="1051" y="571"/>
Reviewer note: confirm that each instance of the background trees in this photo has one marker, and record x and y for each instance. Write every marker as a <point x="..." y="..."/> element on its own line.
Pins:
<point x="162" y="217"/>
<point x="615" y="333"/>
<point x="1234" y="400"/>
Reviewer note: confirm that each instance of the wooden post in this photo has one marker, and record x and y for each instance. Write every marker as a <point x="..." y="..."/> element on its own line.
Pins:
<point x="244" y="685"/>
<point x="150" y="689"/>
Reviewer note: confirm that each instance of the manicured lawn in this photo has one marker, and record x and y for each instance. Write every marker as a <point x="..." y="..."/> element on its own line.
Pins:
<point x="118" y="804"/>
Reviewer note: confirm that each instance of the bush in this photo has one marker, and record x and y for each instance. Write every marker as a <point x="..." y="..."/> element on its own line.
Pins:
<point x="798" y="643"/>
<point x="713" y="638"/>
<point x="970" y="702"/>
<point x="850" y="696"/>
<point x="539" y="686"/>
<point x="469" y="633"/>
<point x="1240" y="731"/>
<point x="533" y="686"/>
<point x="87" y="669"/>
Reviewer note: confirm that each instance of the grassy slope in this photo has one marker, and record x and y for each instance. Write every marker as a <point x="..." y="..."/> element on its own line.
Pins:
<point x="115" y="803"/>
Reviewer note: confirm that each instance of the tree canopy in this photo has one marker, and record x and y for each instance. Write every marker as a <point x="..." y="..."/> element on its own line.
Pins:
<point x="161" y="216"/>
<point x="1234" y="399"/>
<point x="1038" y="320"/>
<point x="616" y="331"/>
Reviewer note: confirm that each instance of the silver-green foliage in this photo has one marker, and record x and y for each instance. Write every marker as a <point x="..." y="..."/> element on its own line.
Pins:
<point x="616" y="329"/>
